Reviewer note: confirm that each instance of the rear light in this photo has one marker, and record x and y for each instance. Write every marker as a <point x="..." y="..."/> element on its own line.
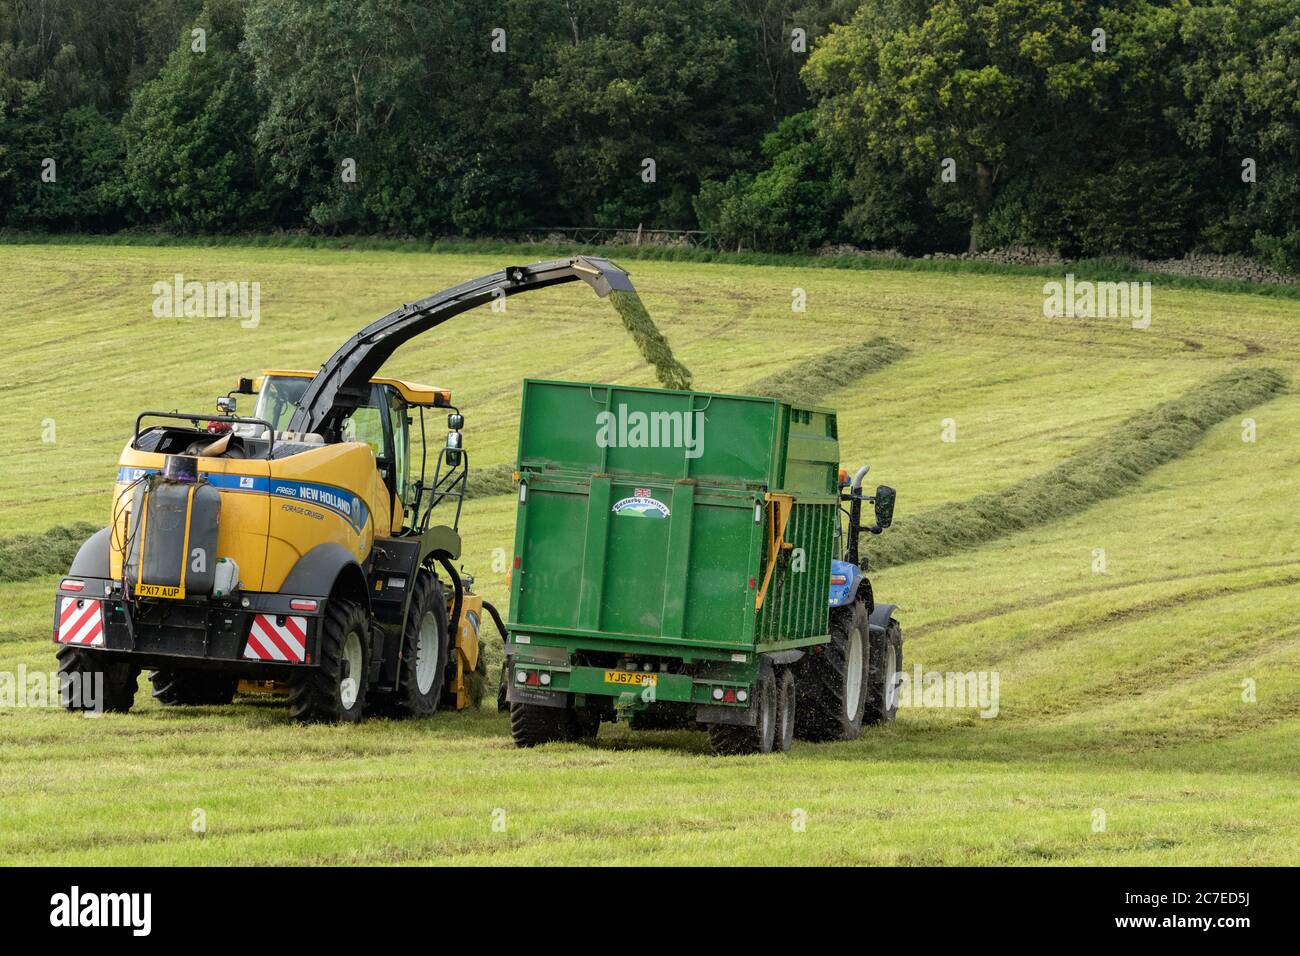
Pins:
<point x="521" y="676"/>
<point x="717" y="693"/>
<point x="839" y="579"/>
<point x="742" y="695"/>
<point x="545" y="679"/>
<point x="72" y="584"/>
<point x="300" y="604"/>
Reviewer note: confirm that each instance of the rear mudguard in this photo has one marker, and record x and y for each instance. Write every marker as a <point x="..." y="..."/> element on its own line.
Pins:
<point x="320" y="569"/>
<point x="880" y="616"/>
<point x="92" y="560"/>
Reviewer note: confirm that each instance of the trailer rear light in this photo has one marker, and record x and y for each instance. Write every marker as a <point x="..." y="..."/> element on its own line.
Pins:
<point x="717" y="693"/>
<point x="839" y="579"/>
<point x="299" y="604"/>
<point x="521" y="676"/>
<point x="545" y="679"/>
<point x="71" y="584"/>
<point x="742" y="695"/>
<point x="729" y="696"/>
<point x="533" y="679"/>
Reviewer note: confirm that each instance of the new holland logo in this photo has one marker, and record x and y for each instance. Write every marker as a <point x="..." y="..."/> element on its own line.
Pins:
<point x="642" y="504"/>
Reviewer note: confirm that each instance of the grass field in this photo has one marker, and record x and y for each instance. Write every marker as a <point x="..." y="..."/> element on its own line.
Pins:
<point x="1149" y="711"/>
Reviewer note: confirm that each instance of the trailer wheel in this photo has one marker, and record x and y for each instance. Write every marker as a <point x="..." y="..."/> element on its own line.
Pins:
<point x="833" y="685"/>
<point x="730" y="739"/>
<point x="786" y="696"/>
<point x="425" y="642"/>
<point x="192" y="688"/>
<point x="77" y="685"/>
<point x="886" y="665"/>
<point x="334" y="691"/>
<point x="533" y="724"/>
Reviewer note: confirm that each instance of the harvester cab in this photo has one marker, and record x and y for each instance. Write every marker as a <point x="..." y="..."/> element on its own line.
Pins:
<point x="296" y="549"/>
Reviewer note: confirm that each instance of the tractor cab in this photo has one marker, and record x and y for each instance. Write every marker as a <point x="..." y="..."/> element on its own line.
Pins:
<point x="383" y="420"/>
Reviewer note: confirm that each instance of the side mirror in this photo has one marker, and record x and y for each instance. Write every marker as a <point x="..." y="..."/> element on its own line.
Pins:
<point x="884" y="506"/>
<point x="226" y="404"/>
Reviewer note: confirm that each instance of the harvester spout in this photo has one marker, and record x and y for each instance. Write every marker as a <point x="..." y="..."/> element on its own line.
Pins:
<point x="343" y="382"/>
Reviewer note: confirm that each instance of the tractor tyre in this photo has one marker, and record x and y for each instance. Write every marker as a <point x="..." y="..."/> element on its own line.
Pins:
<point x="334" y="690"/>
<point x="192" y="688"/>
<point x="786" y="710"/>
<point x="502" y="687"/>
<point x="733" y="740"/>
<point x="533" y="724"/>
<point x="886" y="665"/>
<point x="832" y="686"/>
<point x="78" y="669"/>
<point x="421" y="672"/>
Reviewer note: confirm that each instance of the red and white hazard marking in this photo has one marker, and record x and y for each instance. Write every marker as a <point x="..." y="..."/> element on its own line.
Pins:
<point x="81" y="622"/>
<point x="268" y="641"/>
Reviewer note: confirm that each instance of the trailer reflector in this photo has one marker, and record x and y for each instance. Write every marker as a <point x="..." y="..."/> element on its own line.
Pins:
<point x="81" y="622"/>
<point x="272" y="641"/>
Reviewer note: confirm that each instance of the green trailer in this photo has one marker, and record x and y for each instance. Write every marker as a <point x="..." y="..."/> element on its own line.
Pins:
<point x="675" y="564"/>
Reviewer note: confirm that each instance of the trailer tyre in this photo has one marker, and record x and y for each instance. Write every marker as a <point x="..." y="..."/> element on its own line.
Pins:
<point x="833" y="684"/>
<point x="334" y="691"/>
<point x="425" y="644"/>
<point x="730" y="739"/>
<point x="886" y="665"/>
<point x="192" y="688"/>
<point x="533" y="724"/>
<point x="77" y="690"/>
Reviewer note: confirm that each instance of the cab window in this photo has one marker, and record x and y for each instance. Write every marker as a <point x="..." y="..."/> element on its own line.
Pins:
<point x="397" y="416"/>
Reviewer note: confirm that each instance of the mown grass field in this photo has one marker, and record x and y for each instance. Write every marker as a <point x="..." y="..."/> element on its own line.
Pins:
<point x="1123" y="691"/>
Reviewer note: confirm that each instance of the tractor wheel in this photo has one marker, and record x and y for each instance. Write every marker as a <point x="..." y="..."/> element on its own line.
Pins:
<point x="730" y="739"/>
<point x="425" y="643"/>
<point x="79" y="688"/>
<point x="886" y="665"/>
<point x="502" y="686"/>
<point x="334" y="691"/>
<point x="195" y="688"/>
<point x="533" y="724"/>
<point x="786" y="695"/>
<point x="833" y="684"/>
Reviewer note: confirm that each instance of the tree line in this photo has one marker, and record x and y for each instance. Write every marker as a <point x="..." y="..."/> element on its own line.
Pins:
<point x="1139" y="128"/>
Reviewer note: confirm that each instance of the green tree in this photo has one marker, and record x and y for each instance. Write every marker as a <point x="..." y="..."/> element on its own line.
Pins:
<point x="994" y="86"/>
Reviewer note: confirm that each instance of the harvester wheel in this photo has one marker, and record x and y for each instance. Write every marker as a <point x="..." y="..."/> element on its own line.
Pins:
<point x="786" y="695"/>
<point x="833" y="684"/>
<point x="78" y="687"/>
<point x="533" y="724"/>
<point x="334" y="691"/>
<point x="886" y="665"/>
<point x="187" y="687"/>
<point x="730" y="739"/>
<point x="424" y="649"/>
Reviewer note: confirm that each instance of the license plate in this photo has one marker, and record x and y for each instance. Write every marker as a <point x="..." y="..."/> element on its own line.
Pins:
<point x="160" y="591"/>
<point x="630" y="677"/>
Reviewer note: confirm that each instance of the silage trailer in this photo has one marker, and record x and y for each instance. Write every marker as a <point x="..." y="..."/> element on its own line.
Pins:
<point x="676" y="563"/>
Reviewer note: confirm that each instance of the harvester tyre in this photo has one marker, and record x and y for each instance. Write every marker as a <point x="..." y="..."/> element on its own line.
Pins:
<point x="886" y="665"/>
<point x="786" y="709"/>
<point x="192" y="688"/>
<point x="421" y="673"/>
<point x="734" y="740"/>
<point x="77" y="667"/>
<point x="532" y="724"/>
<point x="832" y="686"/>
<point x="334" y="691"/>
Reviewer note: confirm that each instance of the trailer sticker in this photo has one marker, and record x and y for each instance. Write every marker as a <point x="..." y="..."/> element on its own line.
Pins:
<point x="642" y="505"/>
<point x="629" y="677"/>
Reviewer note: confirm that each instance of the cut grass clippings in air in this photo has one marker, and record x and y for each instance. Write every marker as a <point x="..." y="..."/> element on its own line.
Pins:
<point x="1100" y="470"/>
<point x="670" y="372"/>
<point x="810" y="381"/>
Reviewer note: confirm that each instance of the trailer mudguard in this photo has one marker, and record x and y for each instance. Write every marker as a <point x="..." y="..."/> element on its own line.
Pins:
<point x="320" y="569"/>
<point x="880" y="616"/>
<point x="92" y="560"/>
